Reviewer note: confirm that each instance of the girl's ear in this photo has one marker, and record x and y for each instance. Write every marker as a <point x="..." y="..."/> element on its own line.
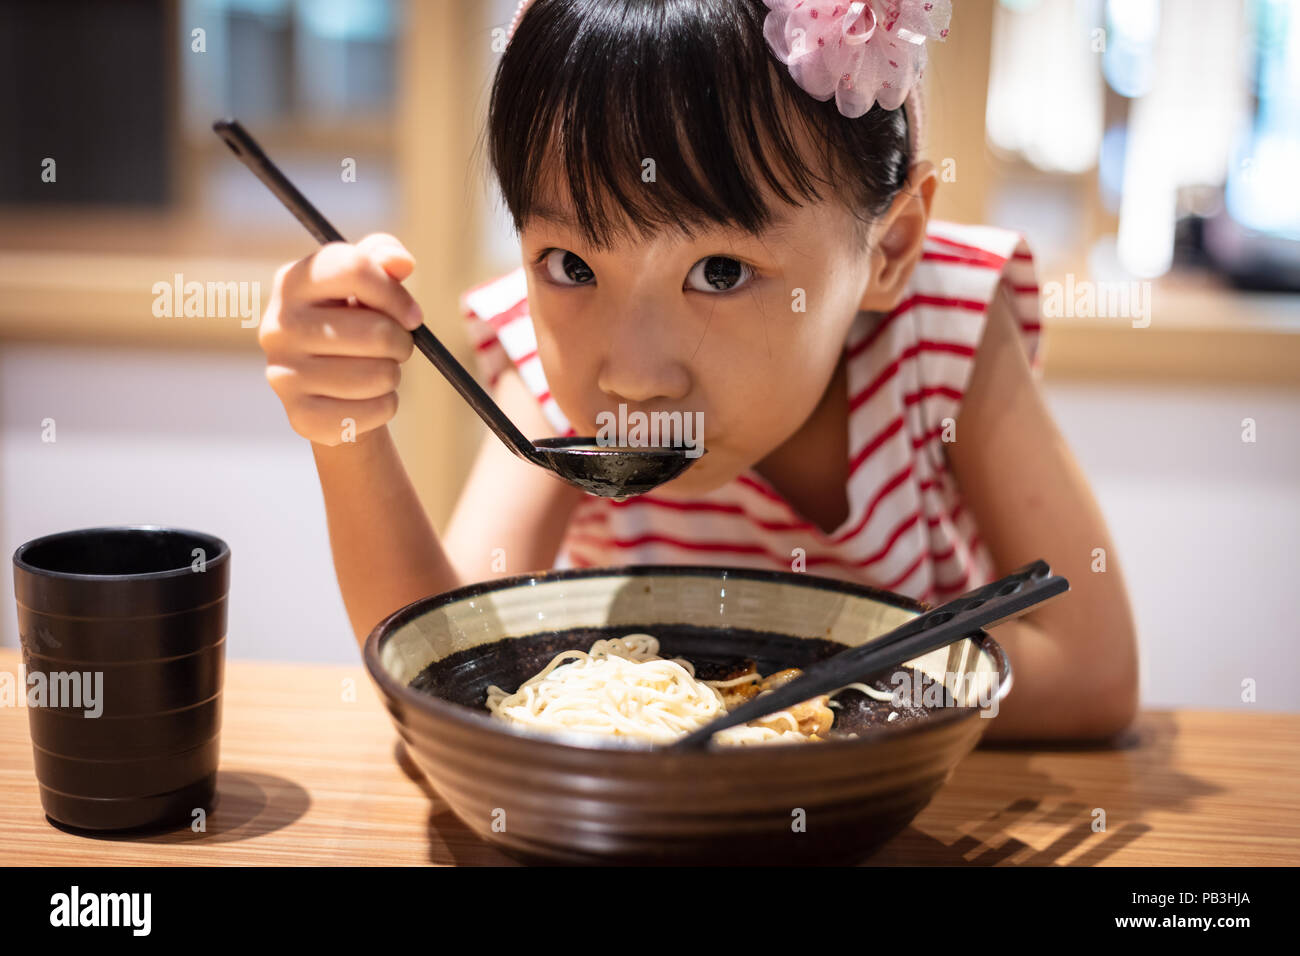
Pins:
<point x="898" y="238"/>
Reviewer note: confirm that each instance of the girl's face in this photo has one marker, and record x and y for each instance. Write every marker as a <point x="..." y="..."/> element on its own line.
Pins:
<point x="745" y="330"/>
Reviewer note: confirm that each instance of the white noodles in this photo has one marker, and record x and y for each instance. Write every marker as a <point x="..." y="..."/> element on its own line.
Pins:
<point x="624" y="688"/>
<point x="869" y="691"/>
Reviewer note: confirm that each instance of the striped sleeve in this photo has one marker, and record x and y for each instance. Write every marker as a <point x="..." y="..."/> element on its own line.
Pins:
<point x="966" y="264"/>
<point x="501" y="330"/>
<point x="483" y="307"/>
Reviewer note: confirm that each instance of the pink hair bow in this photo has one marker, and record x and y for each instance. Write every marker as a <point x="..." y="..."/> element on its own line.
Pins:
<point x="871" y="51"/>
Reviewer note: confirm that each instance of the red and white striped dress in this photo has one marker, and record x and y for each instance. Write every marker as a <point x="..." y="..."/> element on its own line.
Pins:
<point x="907" y="530"/>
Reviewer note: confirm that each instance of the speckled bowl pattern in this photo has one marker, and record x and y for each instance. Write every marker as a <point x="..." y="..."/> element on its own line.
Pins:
<point x="576" y="799"/>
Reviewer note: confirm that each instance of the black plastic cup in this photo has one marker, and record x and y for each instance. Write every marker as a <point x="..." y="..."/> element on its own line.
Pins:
<point x="144" y="608"/>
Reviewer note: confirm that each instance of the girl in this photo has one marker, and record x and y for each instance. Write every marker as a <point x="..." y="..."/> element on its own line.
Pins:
<point x="722" y="210"/>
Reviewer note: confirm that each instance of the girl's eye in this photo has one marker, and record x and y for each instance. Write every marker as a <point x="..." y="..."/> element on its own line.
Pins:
<point x="567" y="269"/>
<point x="718" y="274"/>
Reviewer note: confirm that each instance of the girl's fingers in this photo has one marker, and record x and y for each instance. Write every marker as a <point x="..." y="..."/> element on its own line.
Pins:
<point x="341" y="330"/>
<point x="338" y="271"/>
<point x="389" y="254"/>
<point x="335" y="376"/>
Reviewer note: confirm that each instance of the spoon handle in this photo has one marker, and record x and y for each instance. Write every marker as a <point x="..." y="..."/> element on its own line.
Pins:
<point x="248" y="151"/>
<point x="991" y="604"/>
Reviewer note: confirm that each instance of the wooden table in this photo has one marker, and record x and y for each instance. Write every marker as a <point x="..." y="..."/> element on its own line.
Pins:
<point x="312" y="772"/>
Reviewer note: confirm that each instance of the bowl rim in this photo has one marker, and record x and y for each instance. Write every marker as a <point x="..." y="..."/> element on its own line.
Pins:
<point x="436" y="707"/>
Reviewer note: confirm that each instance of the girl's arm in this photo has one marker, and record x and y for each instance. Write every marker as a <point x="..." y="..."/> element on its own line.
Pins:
<point x="1074" y="661"/>
<point x="386" y="553"/>
<point x="334" y="342"/>
<point x="511" y="515"/>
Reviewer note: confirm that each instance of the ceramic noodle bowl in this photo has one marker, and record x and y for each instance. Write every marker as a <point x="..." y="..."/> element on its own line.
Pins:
<point x="578" y="798"/>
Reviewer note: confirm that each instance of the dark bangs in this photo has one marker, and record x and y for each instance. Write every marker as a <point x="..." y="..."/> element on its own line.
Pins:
<point x="588" y="90"/>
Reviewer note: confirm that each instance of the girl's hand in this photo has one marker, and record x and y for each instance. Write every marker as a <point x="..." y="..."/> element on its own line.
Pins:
<point x="335" y="333"/>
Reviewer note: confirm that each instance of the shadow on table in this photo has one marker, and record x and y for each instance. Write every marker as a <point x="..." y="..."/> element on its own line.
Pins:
<point x="1146" y="776"/>
<point x="248" y="805"/>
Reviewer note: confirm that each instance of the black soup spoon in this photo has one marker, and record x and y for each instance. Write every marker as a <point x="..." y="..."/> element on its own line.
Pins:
<point x="607" y="471"/>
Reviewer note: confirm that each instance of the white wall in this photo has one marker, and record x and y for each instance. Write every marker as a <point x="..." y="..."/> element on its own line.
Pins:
<point x="1206" y="525"/>
<point x="1207" y="528"/>
<point x="196" y="440"/>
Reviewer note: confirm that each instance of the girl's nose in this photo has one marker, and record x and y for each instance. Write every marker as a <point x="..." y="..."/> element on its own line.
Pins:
<point x="639" y="366"/>
<point x="639" y="378"/>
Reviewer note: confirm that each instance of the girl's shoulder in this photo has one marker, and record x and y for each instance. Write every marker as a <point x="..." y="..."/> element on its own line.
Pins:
<point x="913" y="364"/>
<point x="955" y="283"/>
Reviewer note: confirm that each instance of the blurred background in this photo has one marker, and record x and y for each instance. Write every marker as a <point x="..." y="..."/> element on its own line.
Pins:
<point x="1148" y="148"/>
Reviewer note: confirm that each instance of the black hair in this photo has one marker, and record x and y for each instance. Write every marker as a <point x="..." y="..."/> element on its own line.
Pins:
<point x="601" y="85"/>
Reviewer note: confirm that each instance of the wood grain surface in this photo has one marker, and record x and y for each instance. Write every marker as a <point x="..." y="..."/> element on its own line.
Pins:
<point x="312" y="772"/>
